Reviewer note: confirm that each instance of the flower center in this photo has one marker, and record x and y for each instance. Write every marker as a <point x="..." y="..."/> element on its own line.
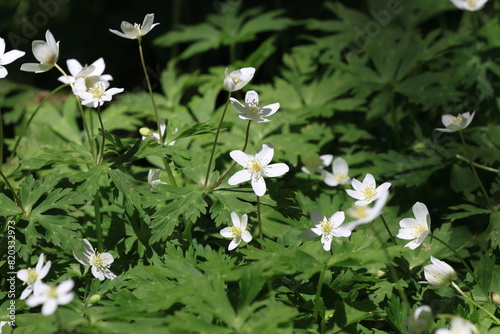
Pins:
<point x="236" y="232"/>
<point x="99" y="262"/>
<point x="254" y="108"/>
<point x="457" y="120"/>
<point x="340" y="177"/>
<point x="471" y="3"/>
<point x="137" y="27"/>
<point x="327" y="227"/>
<point x="52" y="292"/>
<point x="358" y="212"/>
<point x="97" y="90"/>
<point x="418" y="230"/>
<point x="236" y="80"/>
<point x="32" y="276"/>
<point x="255" y="166"/>
<point x="369" y="192"/>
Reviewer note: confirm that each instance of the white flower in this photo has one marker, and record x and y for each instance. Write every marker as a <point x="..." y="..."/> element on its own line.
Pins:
<point x="470" y="5"/>
<point x="329" y="228"/>
<point x="238" y="79"/>
<point x="340" y="175"/>
<point x="46" y="52"/>
<point x="96" y="69"/>
<point x="30" y="276"/>
<point x="454" y="124"/>
<point x="367" y="191"/>
<point x="238" y="231"/>
<point x="256" y="167"/>
<point x="439" y="273"/>
<point x="154" y="177"/>
<point x="97" y="94"/>
<point x="366" y="214"/>
<point x="136" y="31"/>
<point x="415" y="229"/>
<point x="3" y="323"/>
<point x="458" y="326"/>
<point x="51" y="296"/>
<point x="253" y="110"/>
<point x="420" y="320"/>
<point x="100" y="262"/>
<point x="7" y="57"/>
<point x="314" y="165"/>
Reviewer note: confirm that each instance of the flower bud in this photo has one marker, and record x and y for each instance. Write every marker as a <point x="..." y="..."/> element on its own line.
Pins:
<point x="145" y="131"/>
<point x="439" y="273"/>
<point x="94" y="298"/>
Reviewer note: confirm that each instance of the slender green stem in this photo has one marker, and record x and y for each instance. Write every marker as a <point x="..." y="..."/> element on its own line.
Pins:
<point x="475" y="304"/>
<point x="18" y="201"/>
<point x="86" y="290"/>
<point x="388" y="230"/>
<point x="59" y="322"/>
<point x="98" y="222"/>
<point x="395" y="119"/>
<point x="259" y="220"/>
<point x="474" y="277"/>
<point x="169" y="172"/>
<point x="219" y="181"/>
<point x="1" y="134"/>
<point x="216" y="139"/>
<point x="483" y="167"/>
<point x="318" y="293"/>
<point x="158" y="124"/>
<point x="101" y="153"/>
<point x="475" y="173"/>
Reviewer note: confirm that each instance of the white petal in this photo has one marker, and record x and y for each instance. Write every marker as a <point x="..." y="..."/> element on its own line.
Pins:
<point x="49" y="307"/>
<point x="147" y="23"/>
<point x="265" y="154"/>
<point x="240" y="157"/>
<point x="310" y="233"/>
<point x="234" y="243"/>
<point x="383" y="187"/>
<point x="74" y="66"/>
<point x="326" y="159"/>
<point x="244" y="222"/>
<point x="317" y="217"/>
<point x="340" y="166"/>
<point x="10" y="56"/>
<point x="26" y="292"/>
<point x="357" y="186"/>
<point x="239" y="177"/>
<point x="99" y="66"/>
<point x="275" y="170"/>
<point x="447" y="120"/>
<point x="65" y="286"/>
<point x="422" y="214"/>
<point x="251" y="96"/>
<point x="369" y="181"/>
<point x="97" y="273"/>
<point x="259" y="186"/>
<point x="270" y="109"/>
<point x="337" y="218"/>
<point x="3" y="72"/>
<point x="106" y="258"/>
<point x="246" y="236"/>
<point x="235" y="219"/>
<point x="33" y="67"/>
<point x="241" y="108"/>
<point x="65" y="298"/>
<point x="342" y="232"/>
<point x="119" y="33"/>
<point x="327" y="243"/>
<point x="2" y="46"/>
<point x="23" y="275"/>
<point x="226" y="232"/>
<point x="44" y="271"/>
<point x="354" y="194"/>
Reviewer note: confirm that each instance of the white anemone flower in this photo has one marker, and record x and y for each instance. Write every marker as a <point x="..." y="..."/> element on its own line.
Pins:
<point x="253" y="109"/>
<point x="439" y="274"/>
<point x="328" y="228"/>
<point x="46" y="52"/>
<point x="415" y="229"/>
<point x="339" y="175"/>
<point x="470" y="5"/>
<point x="100" y="262"/>
<point x="256" y="167"/>
<point x="458" y="326"/>
<point x="367" y="192"/>
<point x="135" y="31"/>
<point x="420" y="320"/>
<point x="30" y="276"/>
<point x="453" y="124"/>
<point x="366" y="214"/>
<point x="95" y="95"/>
<point x="154" y="177"/>
<point x="7" y="57"/>
<point x="236" y="80"/>
<point x="315" y="164"/>
<point x="51" y="296"/>
<point x="238" y="231"/>
<point x="96" y="69"/>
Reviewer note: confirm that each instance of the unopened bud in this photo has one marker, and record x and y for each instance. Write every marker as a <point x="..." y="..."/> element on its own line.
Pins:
<point x="495" y="298"/>
<point x="94" y="299"/>
<point x="419" y="147"/>
<point x="145" y="131"/>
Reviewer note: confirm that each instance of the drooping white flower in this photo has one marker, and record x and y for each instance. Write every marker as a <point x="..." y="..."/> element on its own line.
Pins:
<point x="46" y="52"/>
<point x="366" y="214"/>
<point x="439" y="273"/>
<point x="96" y="69"/>
<point x="317" y="164"/>
<point x="367" y="191"/>
<point x="51" y="296"/>
<point x="329" y="228"/>
<point x="154" y="177"/>
<point x="339" y="175"/>
<point x="100" y="262"/>
<point x="135" y="31"/>
<point x="30" y="276"/>
<point x="453" y="124"/>
<point x="458" y="326"/>
<point x="415" y="229"/>
<point x="97" y="94"/>
<point x="236" y="80"/>
<point x="420" y="320"/>
<point x="470" y="5"/>
<point x="238" y="231"/>
<point x="7" y="57"/>
<point x="256" y="168"/>
<point x="253" y="109"/>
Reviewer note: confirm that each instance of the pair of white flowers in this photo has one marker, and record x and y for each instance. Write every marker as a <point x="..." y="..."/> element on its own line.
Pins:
<point x="340" y="169"/>
<point x="422" y="318"/>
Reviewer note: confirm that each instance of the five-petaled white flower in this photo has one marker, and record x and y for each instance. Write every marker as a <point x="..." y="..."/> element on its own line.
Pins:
<point x="256" y="167"/>
<point x="328" y="228"/>
<point x="46" y="52"/>
<point x="100" y="262"/>
<point x="154" y="177"/>
<point x="366" y="214"/>
<point x="96" y="69"/>
<point x="415" y="229"/>
<point x="339" y="175"/>
<point x="453" y="124"/>
<point x="420" y="320"/>
<point x="238" y="231"/>
<point x="458" y="326"/>
<point x="367" y="191"/>
<point x="30" y="276"/>
<point x="51" y="296"/>
<point x="439" y="273"/>
<point x="253" y="109"/>
<point x="7" y="57"/>
<point x="470" y="5"/>
<point x="315" y="164"/>
<point x="135" y="31"/>
<point x="236" y="80"/>
<point x="95" y="95"/>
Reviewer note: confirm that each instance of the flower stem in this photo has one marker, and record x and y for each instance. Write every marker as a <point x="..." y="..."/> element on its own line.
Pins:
<point x="388" y="230"/>
<point x="101" y="153"/>
<point x="86" y="290"/>
<point x="483" y="167"/>
<point x="234" y="163"/>
<point x="475" y="173"/>
<point x="18" y="201"/>
<point x="259" y="219"/>
<point x="475" y="304"/>
<point x="1" y="134"/>
<point x="98" y="222"/>
<point x="318" y="293"/>
<point x="169" y="172"/>
<point x="216" y="139"/>
<point x="395" y="119"/>
<point x="150" y="90"/>
<point x="474" y="277"/>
